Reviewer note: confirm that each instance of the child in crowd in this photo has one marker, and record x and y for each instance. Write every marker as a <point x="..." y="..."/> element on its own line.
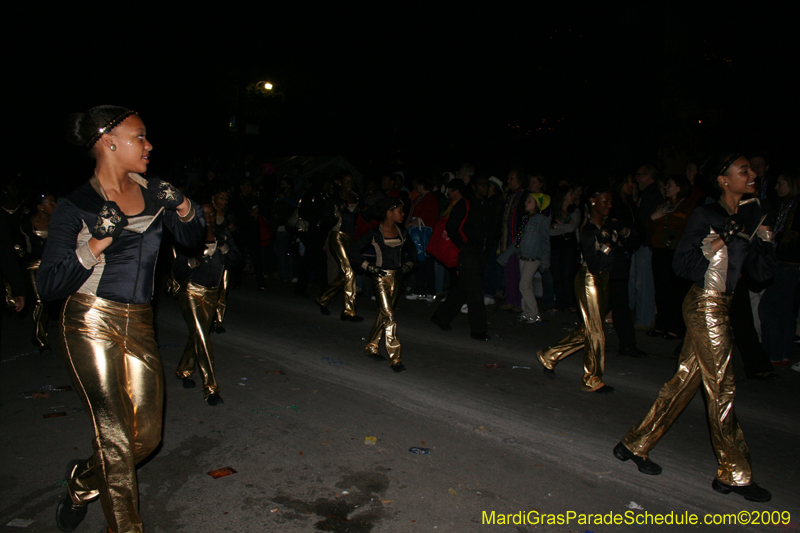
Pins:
<point x="533" y="251"/>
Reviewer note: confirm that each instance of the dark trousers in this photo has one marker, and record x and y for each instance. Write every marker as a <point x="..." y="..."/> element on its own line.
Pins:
<point x="493" y="273"/>
<point x="621" y="312"/>
<point x="548" y="289"/>
<point x="778" y="313"/>
<point x="670" y="292"/>
<point x="425" y="282"/>
<point x="754" y="357"/>
<point x="467" y="290"/>
<point x="564" y="265"/>
<point x="314" y="261"/>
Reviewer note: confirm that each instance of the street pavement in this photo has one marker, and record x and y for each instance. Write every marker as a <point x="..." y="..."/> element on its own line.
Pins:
<point x="303" y="404"/>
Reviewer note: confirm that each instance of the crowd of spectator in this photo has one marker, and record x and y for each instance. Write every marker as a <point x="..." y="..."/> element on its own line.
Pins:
<point x="281" y="222"/>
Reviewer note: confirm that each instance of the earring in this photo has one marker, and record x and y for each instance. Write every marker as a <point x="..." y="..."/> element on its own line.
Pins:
<point x="725" y="184"/>
<point x="112" y="147"/>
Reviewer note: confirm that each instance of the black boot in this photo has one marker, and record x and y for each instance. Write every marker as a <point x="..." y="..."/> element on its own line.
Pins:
<point x="351" y="318"/>
<point x="646" y="466"/>
<point x="399" y="368"/>
<point x="751" y="492"/>
<point x="68" y="514"/>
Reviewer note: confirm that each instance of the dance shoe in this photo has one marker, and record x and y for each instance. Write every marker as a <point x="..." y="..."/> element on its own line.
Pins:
<point x="399" y="368"/>
<point x="605" y="389"/>
<point x="438" y="321"/>
<point x="632" y="352"/>
<point x="551" y="374"/>
<point x="214" y="399"/>
<point x="646" y="466"/>
<point x="68" y="514"/>
<point x="219" y="329"/>
<point x="751" y="492"/>
<point x="324" y="309"/>
<point x="372" y="352"/>
<point x="480" y="336"/>
<point x="351" y="318"/>
<point x="188" y="383"/>
<point x="763" y="376"/>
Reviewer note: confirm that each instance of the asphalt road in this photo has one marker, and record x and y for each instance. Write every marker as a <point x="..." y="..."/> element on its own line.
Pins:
<point x="500" y="439"/>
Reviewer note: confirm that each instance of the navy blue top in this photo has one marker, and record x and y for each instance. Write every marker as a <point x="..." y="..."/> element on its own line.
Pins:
<point x="386" y="257"/>
<point x="204" y="263"/>
<point x="124" y="271"/>
<point x="755" y="255"/>
<point x="591" y="239"/>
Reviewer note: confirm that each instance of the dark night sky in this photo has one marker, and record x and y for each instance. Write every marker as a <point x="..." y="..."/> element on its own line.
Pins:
<point x="430" y="87"/>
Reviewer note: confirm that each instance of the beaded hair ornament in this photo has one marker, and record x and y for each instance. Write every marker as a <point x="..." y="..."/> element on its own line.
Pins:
<point x="724" y="168"/>
<point x="113" y="123"/>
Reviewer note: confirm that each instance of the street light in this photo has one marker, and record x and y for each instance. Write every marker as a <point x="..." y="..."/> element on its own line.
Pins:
<point x="266" y="88"/>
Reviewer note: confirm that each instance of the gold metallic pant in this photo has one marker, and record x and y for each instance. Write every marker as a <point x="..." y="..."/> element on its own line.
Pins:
<point x="199" y="305"/>
<point x="706" y="359"/>
<point x="387" y="288"/>
<point x="111" y="353"/>
<point x="592" y="294"/>
<point x="339" y="244"/>
<point x="40" y="318"/>
<point x="222" y="302"/>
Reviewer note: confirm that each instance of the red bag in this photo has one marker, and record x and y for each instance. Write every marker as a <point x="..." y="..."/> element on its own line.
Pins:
<point x="440" y="246"/>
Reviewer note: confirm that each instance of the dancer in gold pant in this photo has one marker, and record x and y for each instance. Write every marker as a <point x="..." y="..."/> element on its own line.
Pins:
<point x="102" y="261"/>
<point x="592" y="293"/>
<point x="201" y="270"/>
<point x="112" y="357"/>
<point x="599" y="238"/>
<point x="199" y="306"/>
<point x="35" y="230"/>
<point x="705" y="359"/>
<point x="341" y="207"/>
<point x="395" y="255"/>
<point x="222" y="302"/>
<point x="339" y="244"/>
<point x="40" y="318"/>
<point x="720" y="240"/>
<point x="386" y="292"/>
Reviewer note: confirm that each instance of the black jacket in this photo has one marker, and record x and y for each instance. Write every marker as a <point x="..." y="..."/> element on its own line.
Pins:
<point x="474" y="228"/>
<point x="205" y="263"/>
<point x="756" y="256"/>
<point x="124" y="271"/>
<point x="386" y="257"/>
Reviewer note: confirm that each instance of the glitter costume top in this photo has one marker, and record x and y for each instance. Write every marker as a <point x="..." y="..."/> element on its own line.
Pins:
<point x="204" y="263"/>
<point x="390" y="254"/>
<point x="124" y="271"/>
<point x="592" y="240"/>
<point x="720" y="271"/>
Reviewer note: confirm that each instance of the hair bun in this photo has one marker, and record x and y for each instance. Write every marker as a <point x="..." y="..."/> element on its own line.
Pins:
<point x="82" y="127"/>
<point x="73" y="129"/>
